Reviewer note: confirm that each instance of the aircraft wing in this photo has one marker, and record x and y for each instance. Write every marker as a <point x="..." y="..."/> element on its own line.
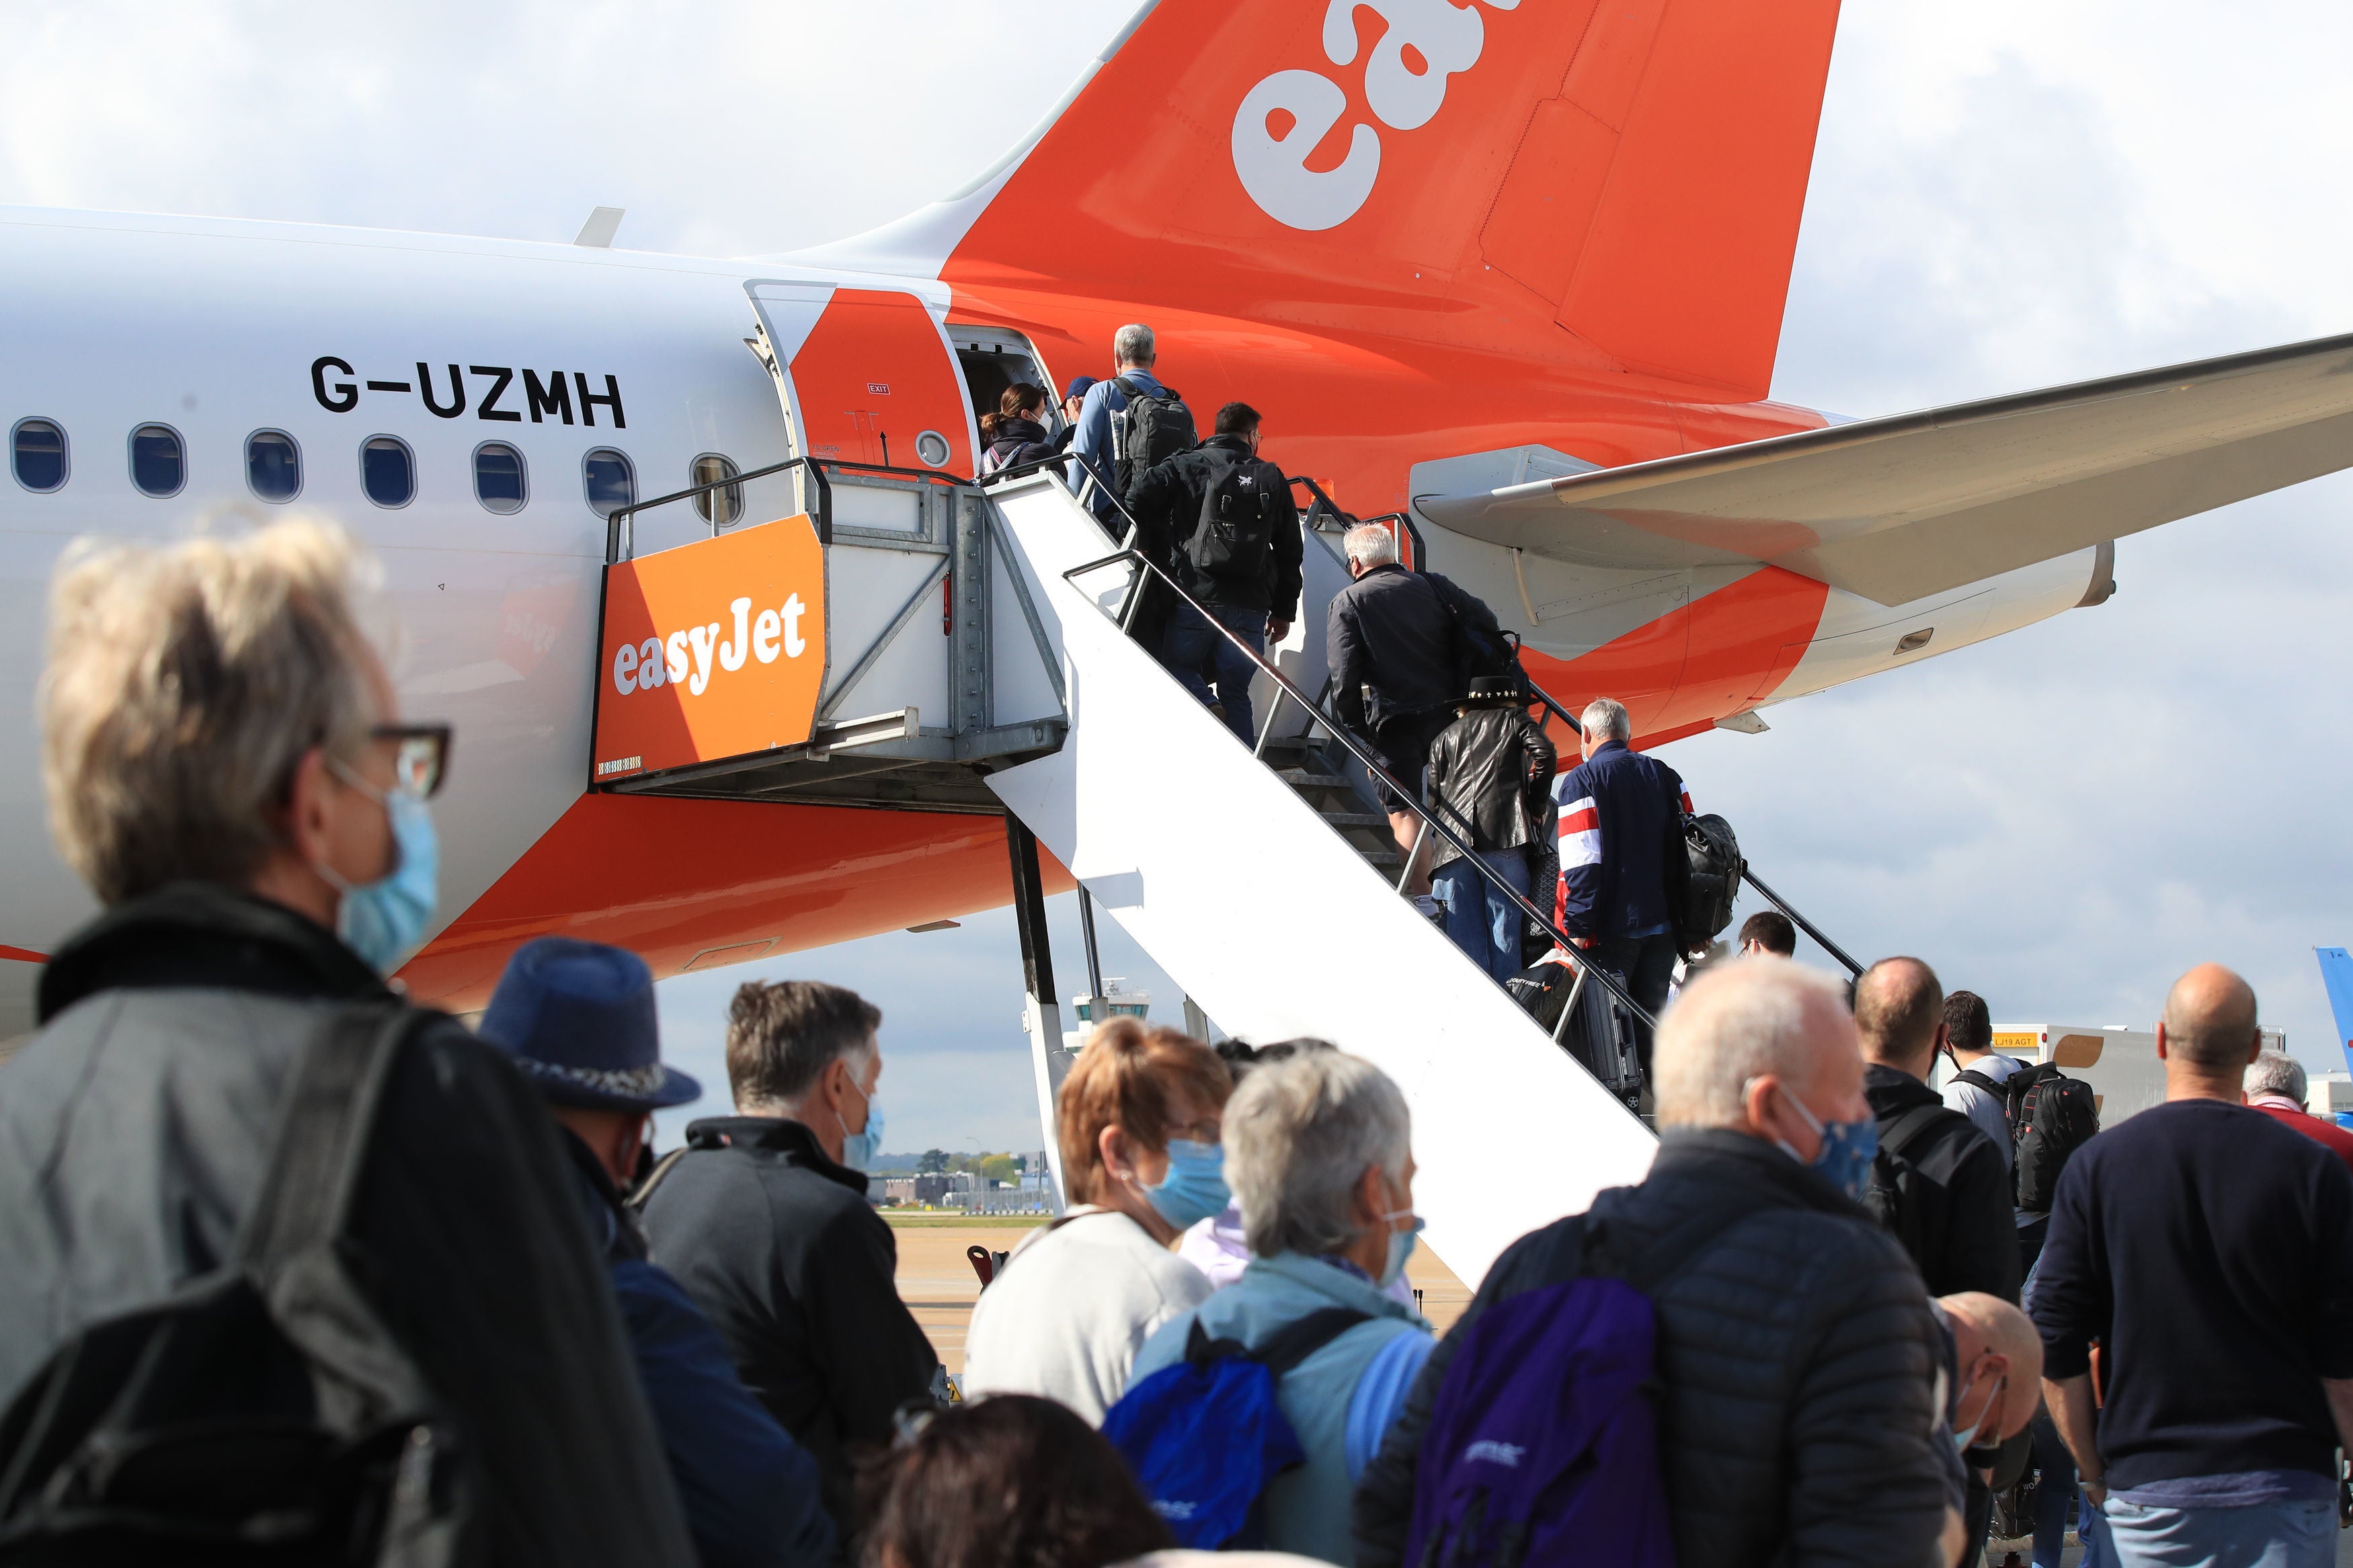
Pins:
<point x="1900" y="507"/>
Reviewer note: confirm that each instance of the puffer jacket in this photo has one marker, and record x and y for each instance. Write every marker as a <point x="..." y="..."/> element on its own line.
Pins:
<point x="1494" y="766"/>
<point x="1796" y="1357"/>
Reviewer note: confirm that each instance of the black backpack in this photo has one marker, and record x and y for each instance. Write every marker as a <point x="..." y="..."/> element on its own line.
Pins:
<point x="1147" y="430"/>
<point x="1235" y="536"/>
<point x="2051" y="1116"/>
<point x="1888" y="1194"/>
<point x="262" y="1413"/>
<point x="1704" y="866"/>
<point x="1483" y="650"/>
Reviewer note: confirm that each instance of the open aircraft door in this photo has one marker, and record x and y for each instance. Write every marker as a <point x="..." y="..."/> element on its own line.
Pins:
<point x="866" y="375"/>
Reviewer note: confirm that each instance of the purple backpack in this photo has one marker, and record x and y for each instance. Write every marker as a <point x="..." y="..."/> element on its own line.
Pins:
<point x="1542" y="1444"/>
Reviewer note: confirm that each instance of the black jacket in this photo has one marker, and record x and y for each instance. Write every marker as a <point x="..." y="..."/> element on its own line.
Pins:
<point x="1166" y="501"/>
<point x="1960" y="1228"/>
<point x="1494" y="766"/>
<point x="1796" y="1362"/>
<point x="1390" y="640"/>
<point x="1620" y="816"/>
<point x="779" y="1247"/>
<point x="1017" y="441"/>
<point x="133" y="1136"/>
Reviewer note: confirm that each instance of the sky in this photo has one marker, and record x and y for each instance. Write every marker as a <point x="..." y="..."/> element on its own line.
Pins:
<point x="2005" y="195"/>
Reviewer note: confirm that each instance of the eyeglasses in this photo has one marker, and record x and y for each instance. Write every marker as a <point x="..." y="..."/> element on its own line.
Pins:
<point x="420" y="758"/>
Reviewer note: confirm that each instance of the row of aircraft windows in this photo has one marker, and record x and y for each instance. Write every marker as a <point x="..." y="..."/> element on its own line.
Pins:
<point x="273" y="469"/>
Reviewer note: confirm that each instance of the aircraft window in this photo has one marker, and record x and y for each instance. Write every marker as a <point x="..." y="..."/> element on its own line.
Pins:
<point x="273" y="465"/>
<point x="387" y="471"/>
<point x="720" y="507"/>
<point x="37" y="449"/>
<point x="159" y="464"/>
<point x="499" y="476"/>
<point x="612" y="482"/>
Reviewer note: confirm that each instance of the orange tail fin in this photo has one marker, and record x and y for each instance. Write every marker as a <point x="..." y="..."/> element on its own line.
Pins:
<point x="1483" y="174"/>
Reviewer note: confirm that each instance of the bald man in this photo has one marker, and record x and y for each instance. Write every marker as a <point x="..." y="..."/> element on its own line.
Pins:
<point x="2210" y="1251"/>
<point x="1939" y="1183"/>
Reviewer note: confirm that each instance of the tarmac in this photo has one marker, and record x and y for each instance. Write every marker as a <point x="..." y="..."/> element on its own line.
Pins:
<point x="939" y="1286"/>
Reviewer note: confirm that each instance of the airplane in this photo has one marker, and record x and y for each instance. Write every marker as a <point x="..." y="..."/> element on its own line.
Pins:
<point x="1516" y="271"/>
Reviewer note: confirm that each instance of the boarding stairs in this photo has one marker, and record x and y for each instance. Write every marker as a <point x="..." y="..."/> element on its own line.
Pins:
<point x="1263" y="880"/>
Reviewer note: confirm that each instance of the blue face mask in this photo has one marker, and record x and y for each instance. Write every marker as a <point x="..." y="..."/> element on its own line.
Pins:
<point x="1848" y="1147"/>
<point x="384" y="921"/>
<point x="859" y="1149"/>
<point x="1402" y="1244"/>
<point x="1195" y="1187"/>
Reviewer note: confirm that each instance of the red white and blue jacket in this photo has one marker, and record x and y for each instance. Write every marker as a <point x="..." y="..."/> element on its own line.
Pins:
<point x="1618" y="812"/>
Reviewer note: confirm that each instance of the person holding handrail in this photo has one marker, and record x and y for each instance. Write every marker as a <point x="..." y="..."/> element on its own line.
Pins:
<point x="1390" y="640"/>
<point x="1619" y="811"/>
<point x="1219" y="518"/>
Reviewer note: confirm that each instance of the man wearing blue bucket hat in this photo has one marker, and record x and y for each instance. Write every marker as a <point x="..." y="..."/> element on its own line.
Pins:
<point x="578" y="1018"/>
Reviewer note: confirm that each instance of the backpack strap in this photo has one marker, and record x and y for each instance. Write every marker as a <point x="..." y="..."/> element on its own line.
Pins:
<point x="643" y="1192"/>
<point x="1972" y="1075"/>
<point x="1910" y="1125"/>
<point x="1282" y="1350"/>
<point x="321" y="1141"/>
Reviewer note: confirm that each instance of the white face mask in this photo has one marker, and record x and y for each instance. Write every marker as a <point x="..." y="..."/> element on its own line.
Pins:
<point x="1964" y="1437"/>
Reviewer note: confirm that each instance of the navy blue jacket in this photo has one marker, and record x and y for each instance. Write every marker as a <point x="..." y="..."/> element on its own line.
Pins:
<point x="2210" y="1249"/>
<point x="751" y="1495"/>
<point x="1617" y="810"/>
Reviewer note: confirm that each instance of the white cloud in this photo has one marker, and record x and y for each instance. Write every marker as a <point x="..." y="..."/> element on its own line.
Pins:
<point x="2007" y="195"/>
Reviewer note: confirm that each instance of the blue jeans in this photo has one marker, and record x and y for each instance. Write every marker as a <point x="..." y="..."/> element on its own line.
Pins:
<point x="1191" y="645"/>
<point x="2057" y="1490"/>
<point x="1480" y="919"/>
<point x="2260" y="1535"/>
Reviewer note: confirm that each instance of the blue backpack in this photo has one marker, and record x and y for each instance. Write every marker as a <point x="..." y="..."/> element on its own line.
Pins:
<point x="1206" y="1435"/>
<point x="1542" y="1444"/>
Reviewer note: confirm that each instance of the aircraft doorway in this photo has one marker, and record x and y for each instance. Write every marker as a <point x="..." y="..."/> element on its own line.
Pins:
<point x="993" y="360"/>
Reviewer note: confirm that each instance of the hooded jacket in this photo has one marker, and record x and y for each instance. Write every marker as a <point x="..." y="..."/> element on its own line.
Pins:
<point x="1796" y="1365"/>
<point x="779" y="1247"/>
<point x="134" y="1138"/>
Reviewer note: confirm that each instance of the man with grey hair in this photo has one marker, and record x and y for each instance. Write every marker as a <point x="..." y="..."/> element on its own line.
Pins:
<point x="1318" y="1149"/>
<point x="2209" y="1251"/>
<point x="1114" y="443"/>
<point x="1389" y="639"/>
<point x="228" y="769"/>
<point x="1796" y="1355"/>
<point x="2276" y="1086"/>
<point x="1618" y="815"/>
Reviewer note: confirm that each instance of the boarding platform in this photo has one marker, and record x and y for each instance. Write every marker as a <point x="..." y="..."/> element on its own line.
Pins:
<point x="908" y="640"/>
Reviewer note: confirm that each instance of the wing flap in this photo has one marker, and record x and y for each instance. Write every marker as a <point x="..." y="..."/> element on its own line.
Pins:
<point x="1901" y="507"/>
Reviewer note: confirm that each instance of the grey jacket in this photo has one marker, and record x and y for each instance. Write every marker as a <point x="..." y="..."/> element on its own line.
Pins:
<point x="133" y="1136"/>
<point x="1797" y="1356"/>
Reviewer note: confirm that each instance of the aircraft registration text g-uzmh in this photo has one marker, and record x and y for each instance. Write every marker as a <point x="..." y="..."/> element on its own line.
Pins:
<point x="496" y="392"/>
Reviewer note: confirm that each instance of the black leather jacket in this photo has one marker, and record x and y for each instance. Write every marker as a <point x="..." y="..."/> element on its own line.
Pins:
<point x="1796" y="1362"/>
<point x="1494" y="766"/>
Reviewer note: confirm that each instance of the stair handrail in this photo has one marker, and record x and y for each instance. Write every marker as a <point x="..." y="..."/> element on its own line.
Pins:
<point x="620" y="540"/>
<point x="1371" y="760"/>
<point x="1747" y="875"/>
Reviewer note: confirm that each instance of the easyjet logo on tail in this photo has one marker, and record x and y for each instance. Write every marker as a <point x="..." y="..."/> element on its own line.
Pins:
<point x="1284" y="117"/>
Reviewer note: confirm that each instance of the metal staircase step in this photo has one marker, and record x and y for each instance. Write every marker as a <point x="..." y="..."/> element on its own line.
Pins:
<point x="1354" y="818"/>
<point x="1301" y="779"/>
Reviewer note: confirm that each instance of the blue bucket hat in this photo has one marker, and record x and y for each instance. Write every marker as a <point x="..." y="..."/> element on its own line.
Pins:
<point x="578" y="1018"/>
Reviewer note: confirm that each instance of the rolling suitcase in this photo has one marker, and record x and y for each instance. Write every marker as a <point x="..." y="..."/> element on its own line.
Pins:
<point x="1599" y="1034"/>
